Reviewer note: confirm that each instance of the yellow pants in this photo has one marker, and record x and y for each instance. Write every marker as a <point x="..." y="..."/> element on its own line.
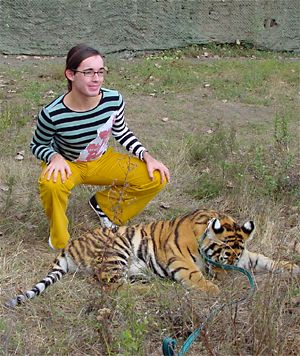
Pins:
<point x="129" y="190"/>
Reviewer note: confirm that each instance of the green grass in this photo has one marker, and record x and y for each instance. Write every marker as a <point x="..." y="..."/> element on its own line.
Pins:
<point x="230" y="146"/>
<point x="260" y="169"/>
<point x="34" y="86"/>
<point x="6" y="119"/>
<point x="246" y="81"/>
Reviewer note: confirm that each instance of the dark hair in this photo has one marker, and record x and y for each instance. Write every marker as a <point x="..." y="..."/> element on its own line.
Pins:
<point x="76" y="55"/>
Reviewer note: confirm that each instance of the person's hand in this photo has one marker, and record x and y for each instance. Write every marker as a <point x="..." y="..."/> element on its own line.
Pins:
<point x="153" y="164"/>
<point x="57" y="165"/>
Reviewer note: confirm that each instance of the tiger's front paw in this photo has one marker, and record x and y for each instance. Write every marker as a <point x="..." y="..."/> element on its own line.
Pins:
<point x="213" y="289"/>
<point x="210" y="288"/>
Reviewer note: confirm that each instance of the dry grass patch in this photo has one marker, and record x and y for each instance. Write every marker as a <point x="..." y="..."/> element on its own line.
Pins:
<point x="229" y="156"/>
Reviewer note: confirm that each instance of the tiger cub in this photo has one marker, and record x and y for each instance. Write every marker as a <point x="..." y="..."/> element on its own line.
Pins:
<point x="170" y="249"/>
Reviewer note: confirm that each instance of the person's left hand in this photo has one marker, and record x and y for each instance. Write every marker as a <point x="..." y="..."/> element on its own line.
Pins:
<point x="153" y="164"/>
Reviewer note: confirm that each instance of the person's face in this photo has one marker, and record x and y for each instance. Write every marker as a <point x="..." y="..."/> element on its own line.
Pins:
<point x="84" y="79"/>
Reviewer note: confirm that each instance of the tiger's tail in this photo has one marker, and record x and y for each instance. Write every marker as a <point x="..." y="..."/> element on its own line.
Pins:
<point x="59" y="269"/>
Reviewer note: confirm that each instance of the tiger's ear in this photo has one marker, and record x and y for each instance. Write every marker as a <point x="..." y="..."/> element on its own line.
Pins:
<point x="217" y="226"/>
<point x="214" y="227"/>
<point x="248" y="229"/>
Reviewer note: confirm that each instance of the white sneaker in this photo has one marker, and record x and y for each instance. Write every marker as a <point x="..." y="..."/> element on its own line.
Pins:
<point x="50" y="244"/>
<point x="105" y="221"/>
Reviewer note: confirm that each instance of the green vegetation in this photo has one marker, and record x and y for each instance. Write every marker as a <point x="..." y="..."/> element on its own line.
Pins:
<point x="247" y="81"/>
<point x="225" y="119"/>
<point x="261" y="170"/>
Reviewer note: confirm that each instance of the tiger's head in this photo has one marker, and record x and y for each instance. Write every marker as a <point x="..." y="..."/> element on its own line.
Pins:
<point x="224" y="240"/>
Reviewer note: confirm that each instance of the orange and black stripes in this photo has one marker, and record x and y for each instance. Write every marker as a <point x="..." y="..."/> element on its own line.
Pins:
<point x="170" y="249"/>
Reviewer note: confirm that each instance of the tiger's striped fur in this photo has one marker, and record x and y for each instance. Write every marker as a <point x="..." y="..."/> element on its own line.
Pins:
<point x="171" y="249"/>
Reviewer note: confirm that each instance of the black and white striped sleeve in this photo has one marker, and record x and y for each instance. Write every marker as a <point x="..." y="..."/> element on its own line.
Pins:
<point x="40" y="145"/>
<point x="122" y="133"/>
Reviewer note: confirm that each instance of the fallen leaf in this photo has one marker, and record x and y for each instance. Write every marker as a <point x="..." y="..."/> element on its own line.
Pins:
<point x="295" y="301"/>
<point x="206" y="170"/>
<point x="22" y="57"/>
<point x="165" y="119"/>
<point x="103" y="313"/>
<point x="4" y="188"/>
<point x="20" y="216"/>
<point x="19" y="157"/>
<point x="165" y="205"/>
<point x="229" y="185"/>
<point x="49" y="94"/>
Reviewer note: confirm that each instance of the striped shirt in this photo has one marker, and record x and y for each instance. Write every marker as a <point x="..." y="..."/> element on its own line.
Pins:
<point x="83" y="136"/>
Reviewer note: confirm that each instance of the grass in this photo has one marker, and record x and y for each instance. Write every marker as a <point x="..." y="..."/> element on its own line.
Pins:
<point x="260" y="169"/>
<point x="248" y="81"/>
<point x="231" y="145"/>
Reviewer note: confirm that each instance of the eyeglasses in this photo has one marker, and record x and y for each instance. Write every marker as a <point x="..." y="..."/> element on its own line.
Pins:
<point x="90" y="73"/>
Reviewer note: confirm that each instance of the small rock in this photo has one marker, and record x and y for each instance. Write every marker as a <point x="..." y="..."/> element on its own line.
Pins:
<point x="165" y="119"/>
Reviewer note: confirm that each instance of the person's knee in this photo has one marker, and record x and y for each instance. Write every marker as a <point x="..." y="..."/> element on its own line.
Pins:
<point x="158" y="182"/>
<point x="50" y="186"/>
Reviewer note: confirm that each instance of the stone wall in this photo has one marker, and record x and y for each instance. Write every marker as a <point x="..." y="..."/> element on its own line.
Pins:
<point x="51" y="27"/>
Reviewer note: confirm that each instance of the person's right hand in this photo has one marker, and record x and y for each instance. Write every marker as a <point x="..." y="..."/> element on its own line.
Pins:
<point x="57" y="165"/>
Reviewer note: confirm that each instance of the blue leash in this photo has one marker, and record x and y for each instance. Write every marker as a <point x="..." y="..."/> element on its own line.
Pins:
<point x="169" y="344"/>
